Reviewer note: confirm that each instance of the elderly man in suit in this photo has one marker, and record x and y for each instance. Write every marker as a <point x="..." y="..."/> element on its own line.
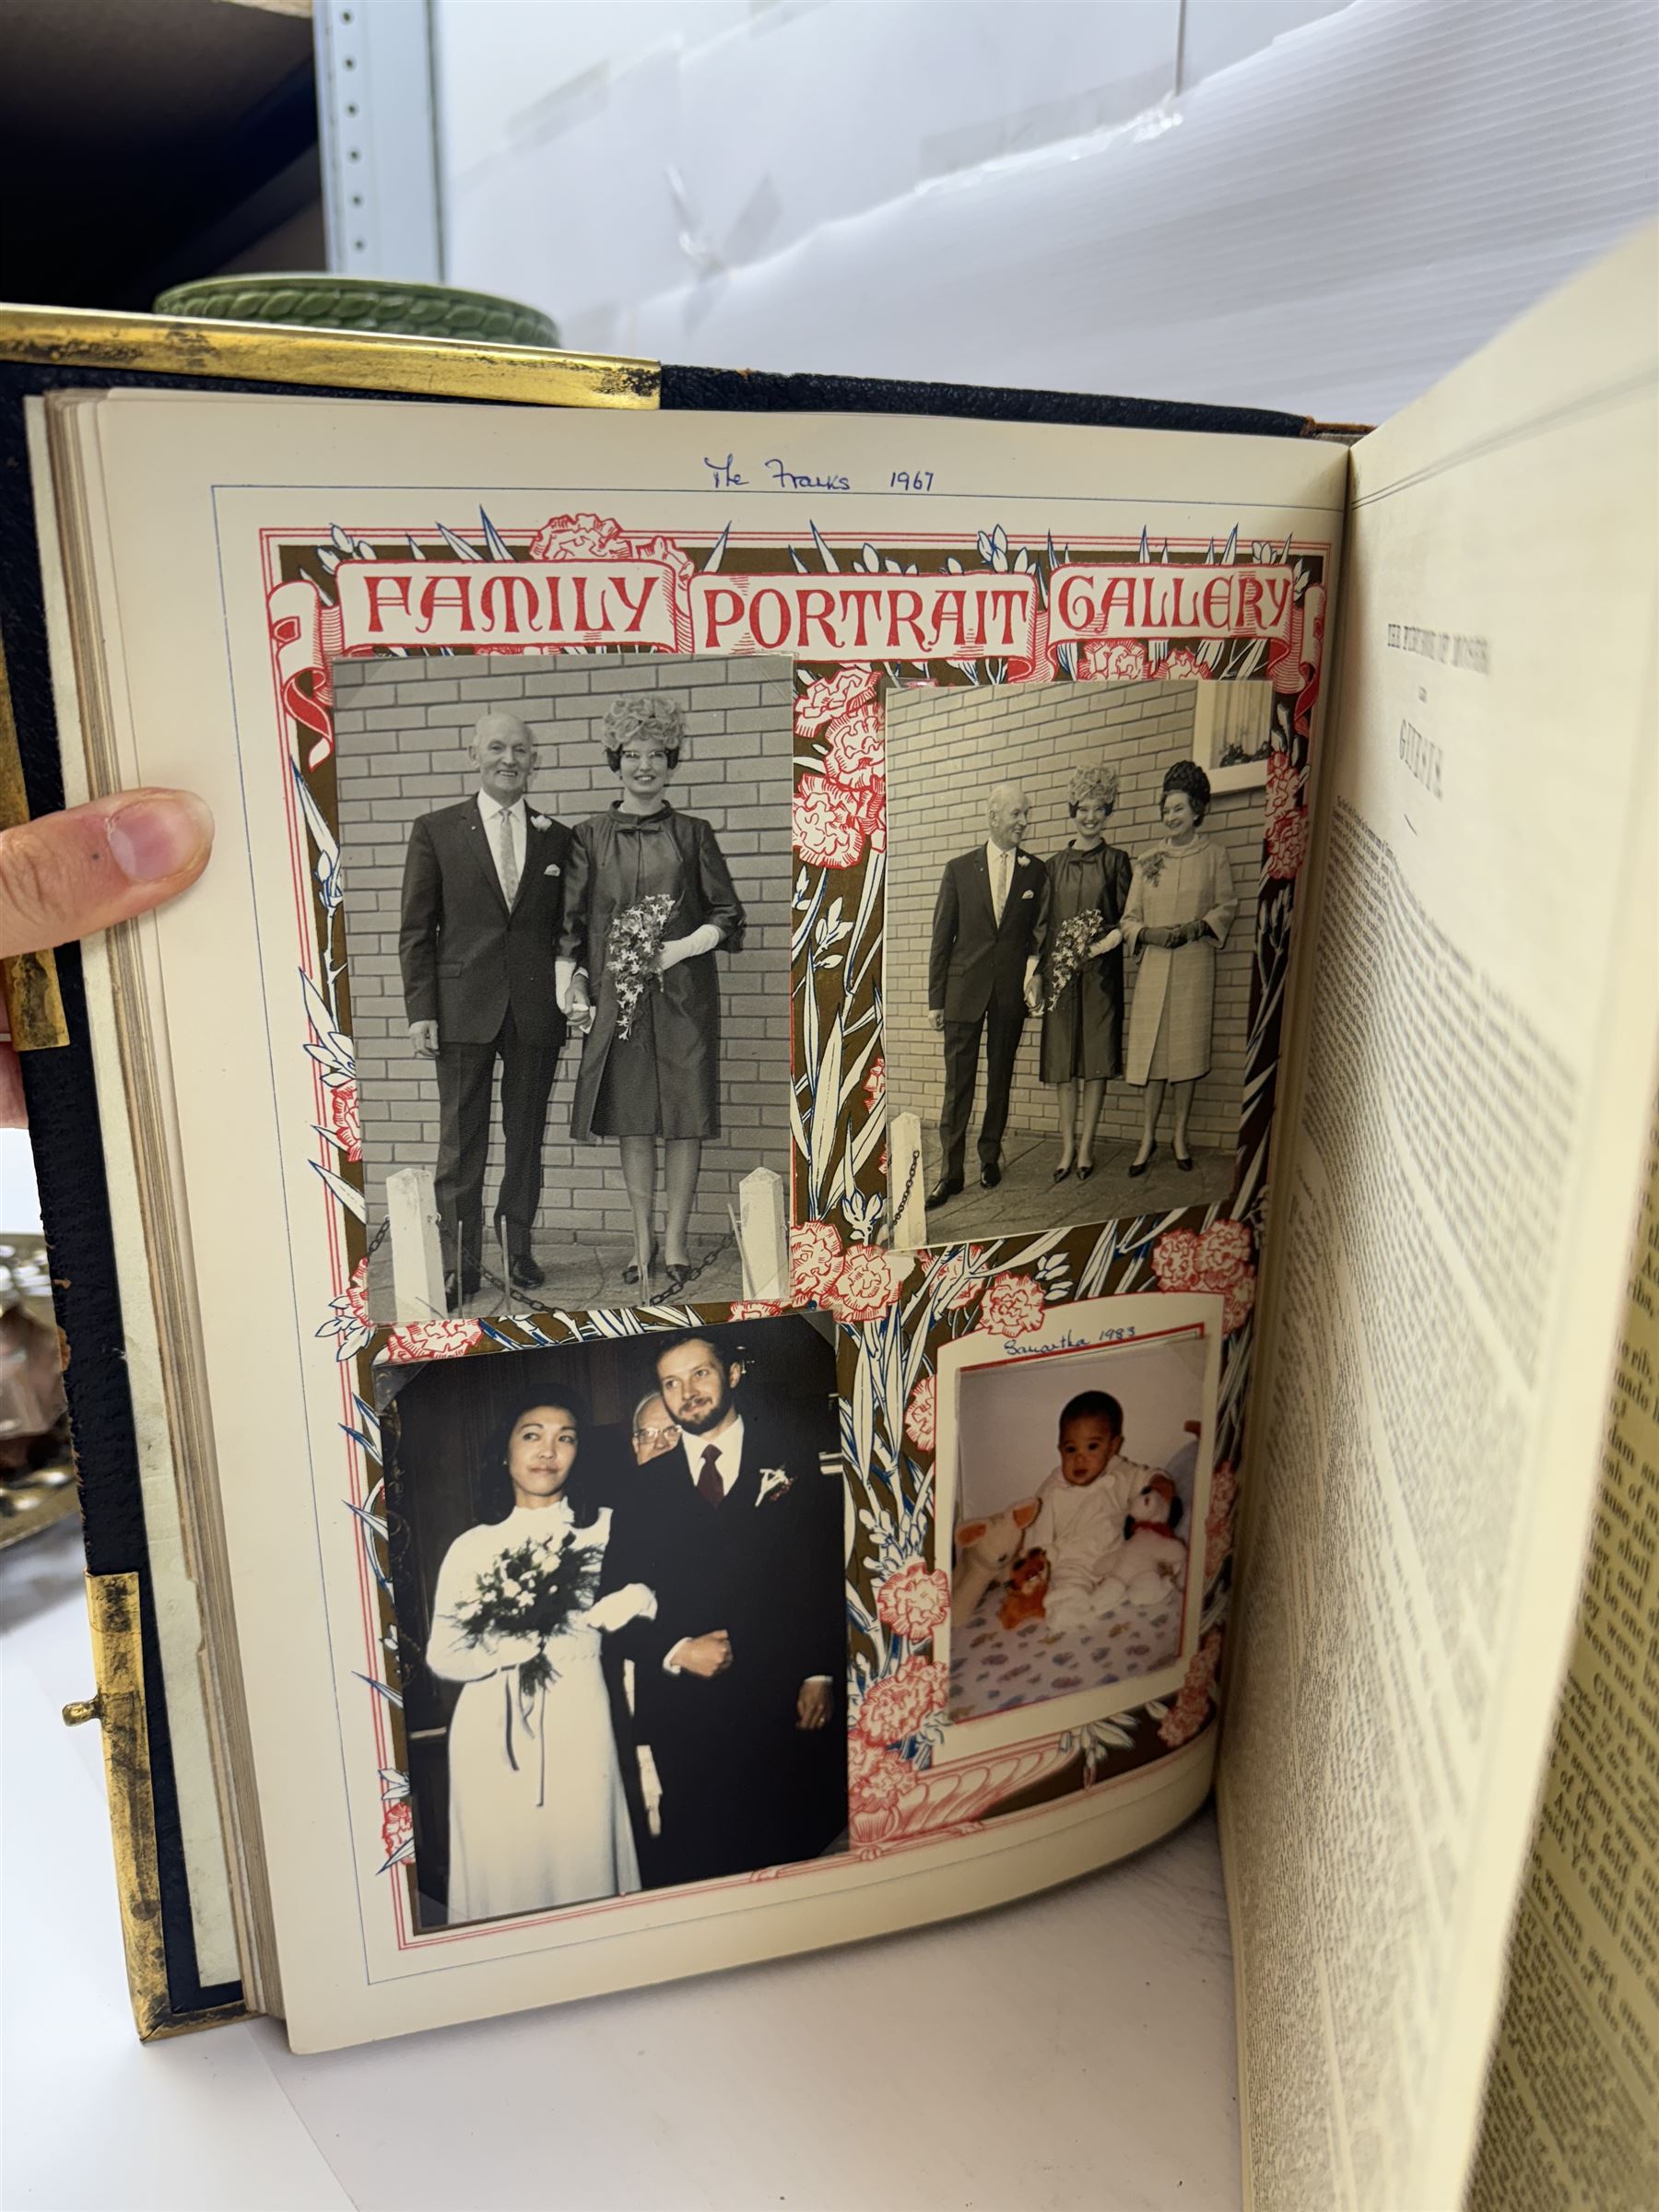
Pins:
<point x="738" y="1679"/>
<point x="990" y="921"/>
<point x="483" y="901"/>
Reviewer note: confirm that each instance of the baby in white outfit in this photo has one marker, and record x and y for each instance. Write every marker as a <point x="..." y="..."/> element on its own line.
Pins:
<point x="1081" y="1508"/>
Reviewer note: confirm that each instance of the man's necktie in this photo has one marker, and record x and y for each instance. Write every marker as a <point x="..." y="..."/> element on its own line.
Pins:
<point x="999" y="891"/>
<point x="709" y="1487"/>
<point x="509" y="872"/>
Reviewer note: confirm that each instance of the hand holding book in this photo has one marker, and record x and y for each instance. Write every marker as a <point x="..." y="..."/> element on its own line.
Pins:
<point x="66" y="874"/>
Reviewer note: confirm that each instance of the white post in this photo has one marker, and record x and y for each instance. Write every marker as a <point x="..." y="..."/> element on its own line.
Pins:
<point x="417" y="1255"/>
<point x="905" y="1178"/>
<point x="763" y="1234"/>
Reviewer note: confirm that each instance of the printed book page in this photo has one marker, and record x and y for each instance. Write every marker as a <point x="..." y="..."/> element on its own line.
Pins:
<point x="726" y="1433"/>
<point x="1471" y="1083"/>
<point x="1572" y="2102"/>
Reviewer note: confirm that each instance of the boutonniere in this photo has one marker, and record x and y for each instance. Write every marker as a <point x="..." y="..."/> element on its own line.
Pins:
<point x="1024" y="859"/>
<point x="1027" y="894"/>
<point x="551" y="869"/>
<point x="774" y="1481"/>
<point x="540" y="821"/>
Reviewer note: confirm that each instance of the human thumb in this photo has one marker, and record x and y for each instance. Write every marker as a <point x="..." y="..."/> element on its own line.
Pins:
<point x="66" y="874"/>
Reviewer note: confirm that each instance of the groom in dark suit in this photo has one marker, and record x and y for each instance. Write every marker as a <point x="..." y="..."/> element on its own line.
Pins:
<point x="738" y="1680"/>
<point x="483" y="898"/>
<point x="990" y="921"/>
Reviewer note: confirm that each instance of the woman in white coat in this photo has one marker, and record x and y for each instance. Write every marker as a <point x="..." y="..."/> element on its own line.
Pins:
<point x="1180" y="907"/>
<point x="536" y="1812"/>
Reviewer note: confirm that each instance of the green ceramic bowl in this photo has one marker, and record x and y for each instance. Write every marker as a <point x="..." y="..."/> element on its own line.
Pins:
<point x="317" y="303"/>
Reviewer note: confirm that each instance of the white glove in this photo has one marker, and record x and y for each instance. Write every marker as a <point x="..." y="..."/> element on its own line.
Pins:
<point x="618" y="1608"/>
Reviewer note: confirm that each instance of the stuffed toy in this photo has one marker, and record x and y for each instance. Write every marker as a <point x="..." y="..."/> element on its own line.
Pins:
<point x="984" y="1551"/>
<point x="1027" y="1586"/>
<point x="1153" y="1557"/>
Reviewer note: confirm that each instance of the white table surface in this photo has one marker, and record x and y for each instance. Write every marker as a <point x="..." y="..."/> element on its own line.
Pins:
<point x="1074" y="2051"/>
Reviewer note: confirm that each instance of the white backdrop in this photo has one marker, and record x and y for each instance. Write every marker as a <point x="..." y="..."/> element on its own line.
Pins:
<point x="1301" y="205"/>
<point x="1008" y="1417"/>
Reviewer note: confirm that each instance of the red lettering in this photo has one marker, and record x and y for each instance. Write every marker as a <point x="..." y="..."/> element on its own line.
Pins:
<point x="1118" y="588"/>
<point x="1216" y="603"/>
<point x="375" y="585"/>
<point x="785" y="618"/>
<point x="647" y="585"/>
<point x="1004" y="601"/>
<point x="1250" y="603"/>
<point x="861" y="599"/>
<point x="721" y="616"/>
<point x="1074" y="605"/>
<point x="906" y="617"/>
<point x="950" y="606"/>
<point x="441" y="593"/>
<point x="502" y="589"/>
<point x="602" y="622"/>
<point x="817" y="605"/>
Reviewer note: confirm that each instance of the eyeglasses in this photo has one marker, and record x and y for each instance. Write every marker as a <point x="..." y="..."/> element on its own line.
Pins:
<point x="670" y="1435"/>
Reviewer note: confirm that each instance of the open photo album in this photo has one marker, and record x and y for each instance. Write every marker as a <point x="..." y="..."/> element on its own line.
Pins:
<point x="892" y="1131"/>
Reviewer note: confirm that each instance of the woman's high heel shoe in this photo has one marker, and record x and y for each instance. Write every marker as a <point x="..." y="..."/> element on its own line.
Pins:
<point x="630" y="1274"/>
<point x="677" y="1274"/>
<point x="1183" y="1161"/>
<point x="1139" y="1167"/>
<point x="1085" y="1170"/>
<point x="1062" y="1173"/>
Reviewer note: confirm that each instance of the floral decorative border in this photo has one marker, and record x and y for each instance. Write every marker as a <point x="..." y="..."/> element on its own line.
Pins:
<point x="893" y="1310"/>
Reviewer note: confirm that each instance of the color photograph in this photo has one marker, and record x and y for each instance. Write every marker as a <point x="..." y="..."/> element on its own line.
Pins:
<point x="1077" y="1487"/>
<point x="617" y="1569"/>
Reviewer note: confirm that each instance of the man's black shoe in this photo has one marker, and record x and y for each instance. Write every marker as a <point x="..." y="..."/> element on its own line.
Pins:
<point x="945" y="1189"/>
<point x="524" y="1274"/>
<point x="990" y="1175"/>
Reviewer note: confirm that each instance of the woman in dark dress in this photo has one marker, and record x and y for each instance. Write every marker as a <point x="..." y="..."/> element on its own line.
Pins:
<point x="1083" y="997"/>
<point x="662" y="1080"/>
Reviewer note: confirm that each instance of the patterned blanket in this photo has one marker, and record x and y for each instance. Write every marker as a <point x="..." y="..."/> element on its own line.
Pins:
<point x="994" y="1670"/>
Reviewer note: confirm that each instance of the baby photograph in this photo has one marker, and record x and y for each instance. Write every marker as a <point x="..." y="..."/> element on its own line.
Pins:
<point x="1076" y="1492"/>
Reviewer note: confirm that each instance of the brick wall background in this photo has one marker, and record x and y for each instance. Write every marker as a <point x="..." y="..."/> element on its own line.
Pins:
<point x="401" y="730"/>
<point x="945" y="750"/>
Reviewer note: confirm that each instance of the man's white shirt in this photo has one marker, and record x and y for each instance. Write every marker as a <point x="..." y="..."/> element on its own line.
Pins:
<point x="1001" y="864"/>
<point x="490" y="812"/>
<point x="728" y="1444"/>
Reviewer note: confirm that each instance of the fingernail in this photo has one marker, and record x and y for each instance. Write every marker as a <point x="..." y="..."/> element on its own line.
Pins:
<point x="157" y="835"/>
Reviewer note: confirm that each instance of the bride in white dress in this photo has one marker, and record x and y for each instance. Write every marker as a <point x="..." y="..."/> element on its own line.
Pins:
<point x="537" y="1815"/>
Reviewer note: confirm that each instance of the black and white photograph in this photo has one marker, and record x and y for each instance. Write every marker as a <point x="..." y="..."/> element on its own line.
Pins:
<point x="616" y="1568"/>
<point x="1069" y="951"/>
<point x="568" y="933"/>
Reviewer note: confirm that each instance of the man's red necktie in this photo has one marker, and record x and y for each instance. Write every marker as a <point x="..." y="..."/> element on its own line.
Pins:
<point x="709" y="1487"/>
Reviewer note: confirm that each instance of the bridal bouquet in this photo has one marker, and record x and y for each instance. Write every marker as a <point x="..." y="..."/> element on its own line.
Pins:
<point x="632" y="945"/>
<point x="537" y="1588"/>
<point x="1070" y="950"/>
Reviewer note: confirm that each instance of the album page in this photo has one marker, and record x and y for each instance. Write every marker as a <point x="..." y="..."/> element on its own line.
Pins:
<point x="1470" y="1084"/>
<point x="1572" y="2102"/>
<point x="722" y="1081"/>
